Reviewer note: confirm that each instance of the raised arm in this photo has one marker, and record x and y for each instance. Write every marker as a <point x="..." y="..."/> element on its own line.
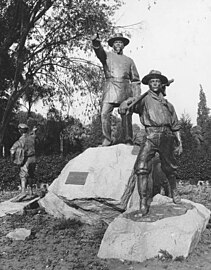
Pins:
<point x="99" y="51"/>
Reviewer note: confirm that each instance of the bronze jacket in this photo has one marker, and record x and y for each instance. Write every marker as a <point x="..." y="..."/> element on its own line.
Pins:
<point x="119" y="71"/>
<point x="155" y="111"/>
<point x="27" y="142"/>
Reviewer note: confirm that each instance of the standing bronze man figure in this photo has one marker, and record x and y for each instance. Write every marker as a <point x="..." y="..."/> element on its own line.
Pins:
<point x="120" y="74"/>
<point x="162" y="129"/>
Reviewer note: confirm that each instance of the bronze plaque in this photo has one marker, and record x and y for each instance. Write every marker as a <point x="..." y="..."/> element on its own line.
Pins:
<point x="76" y="178"/>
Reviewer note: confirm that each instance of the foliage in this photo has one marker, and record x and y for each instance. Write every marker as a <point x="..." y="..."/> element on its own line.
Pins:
<point x="207" y="136"/>
<point x="48" y="168"/>
<point x="194" y="163"/>
<point x="94" y="130"/>
<point x="72" y="137"/>
<point x="38" y="37"/>
<point x="194" y="167"/>
<point x="203" y="110"/>
<point x="33" y="94"/>
<point x="188" y="141"/>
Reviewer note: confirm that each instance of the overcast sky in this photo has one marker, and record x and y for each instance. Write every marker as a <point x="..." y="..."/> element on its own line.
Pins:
<point x="174" y="37"/>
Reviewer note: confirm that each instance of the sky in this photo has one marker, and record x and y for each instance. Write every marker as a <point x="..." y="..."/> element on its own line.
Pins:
<point x="173" y="36"/>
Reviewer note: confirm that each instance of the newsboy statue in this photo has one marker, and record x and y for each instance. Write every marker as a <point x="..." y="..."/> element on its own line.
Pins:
<point x="121" y="82"/>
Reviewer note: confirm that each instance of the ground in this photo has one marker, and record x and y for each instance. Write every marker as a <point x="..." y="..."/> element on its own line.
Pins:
<point x="57" y="244"/>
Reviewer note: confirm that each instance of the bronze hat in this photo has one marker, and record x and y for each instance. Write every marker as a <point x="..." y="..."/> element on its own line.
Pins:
<point x="154" y="74"/>
<point x="118" y="36"/>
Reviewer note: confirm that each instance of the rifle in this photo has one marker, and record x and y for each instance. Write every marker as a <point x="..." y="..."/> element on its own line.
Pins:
<point x="142" y="96"/>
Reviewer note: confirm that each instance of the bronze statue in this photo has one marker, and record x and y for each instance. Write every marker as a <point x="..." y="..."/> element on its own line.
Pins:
<point x="23" y="154"/>
<point x="163" y="137"/>
<point x="121" y="82"/>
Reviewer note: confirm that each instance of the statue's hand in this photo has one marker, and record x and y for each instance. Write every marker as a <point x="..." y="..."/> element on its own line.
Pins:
<point x="123" y="107"/>
<point x="95" y="40"/>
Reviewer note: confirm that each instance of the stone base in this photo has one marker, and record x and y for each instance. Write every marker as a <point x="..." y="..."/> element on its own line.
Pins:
<point x="9" y="208"/>
<point x="173" y="228"/>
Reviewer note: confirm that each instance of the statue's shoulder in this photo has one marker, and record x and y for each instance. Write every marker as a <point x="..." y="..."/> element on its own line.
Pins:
<point x="128" y="58"/>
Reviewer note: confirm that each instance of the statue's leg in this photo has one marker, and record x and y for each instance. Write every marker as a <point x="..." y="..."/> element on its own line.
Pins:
<point x="142" y="190"/>
<point x="106" y="112"/>
<point x="169" y="165"/>
<point x="31" y="170"/>
<point x="127" y="128"/>
<point x="23" y="177"/>
<point x="174" y="194"/>
<point x="143" y="167"/>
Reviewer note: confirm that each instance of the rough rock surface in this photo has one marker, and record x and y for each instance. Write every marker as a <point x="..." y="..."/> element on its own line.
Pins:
<point x="99" y="172"/>
<point x="91" y="185"/>
<point x="168" y="227"/>
<point x="9" y="208"/>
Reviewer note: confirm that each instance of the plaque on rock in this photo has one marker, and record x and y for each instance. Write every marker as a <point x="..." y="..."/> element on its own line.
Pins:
<point x="76" y="178"/>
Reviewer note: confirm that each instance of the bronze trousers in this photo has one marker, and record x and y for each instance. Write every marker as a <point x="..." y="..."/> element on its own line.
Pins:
<point x="106" y="112"/>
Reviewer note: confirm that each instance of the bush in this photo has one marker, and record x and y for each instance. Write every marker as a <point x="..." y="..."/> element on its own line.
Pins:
<point x="194" y="167"/>
<point x="48" y="168"/>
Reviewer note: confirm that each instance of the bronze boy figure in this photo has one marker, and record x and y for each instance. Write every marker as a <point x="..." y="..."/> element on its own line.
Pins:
<point x="162" y="128"/>
<point x="119" y="71"/>
<point x="28" y="165"/>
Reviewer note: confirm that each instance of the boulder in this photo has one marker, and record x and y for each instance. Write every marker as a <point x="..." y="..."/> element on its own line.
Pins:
<point x="91" y="185"/>
<point x="99" y="172"/>
<point x="167" y="227"/>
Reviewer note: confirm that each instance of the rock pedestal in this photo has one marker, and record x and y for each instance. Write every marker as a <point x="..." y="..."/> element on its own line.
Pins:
<point x="168" y="227"/>
<point x="91" y="184"/>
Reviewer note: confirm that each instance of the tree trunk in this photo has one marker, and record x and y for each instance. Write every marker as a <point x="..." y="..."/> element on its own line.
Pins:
<point x="8" y="111"/>
<point x="62" y="145"/>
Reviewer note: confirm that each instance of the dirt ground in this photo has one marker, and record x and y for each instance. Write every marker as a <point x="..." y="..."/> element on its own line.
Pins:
<point x="57" y="244"/>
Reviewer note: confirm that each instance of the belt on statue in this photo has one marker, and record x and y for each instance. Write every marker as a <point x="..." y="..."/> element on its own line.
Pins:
<point x="117" y="79"/>
<point x="158" y="128"/>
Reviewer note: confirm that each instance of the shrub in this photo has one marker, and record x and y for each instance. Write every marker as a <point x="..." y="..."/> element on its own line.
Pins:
<point x="48" y="168"/>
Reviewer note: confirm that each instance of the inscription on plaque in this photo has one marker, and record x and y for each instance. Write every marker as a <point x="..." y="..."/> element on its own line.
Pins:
<point x="76" y="178"/>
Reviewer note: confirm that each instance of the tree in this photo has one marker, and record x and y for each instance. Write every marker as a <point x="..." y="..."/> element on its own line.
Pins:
<point x="203" y="110"/>
<point x="197" y="135"/>
<point x="33" y="94"/>
<point x="186" y="135"/>
<point x="207" y="137"/>
<point x="38" y="36"/>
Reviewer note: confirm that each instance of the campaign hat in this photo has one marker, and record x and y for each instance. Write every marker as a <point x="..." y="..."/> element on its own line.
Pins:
<point x="154" y="74"/>
<point x="118" y="36"/>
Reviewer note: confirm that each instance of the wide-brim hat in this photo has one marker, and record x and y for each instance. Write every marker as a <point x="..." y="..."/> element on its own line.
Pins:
<point x="118" y="36"/>
<point x="22" y="126"/>
<point x="154" y="74"/>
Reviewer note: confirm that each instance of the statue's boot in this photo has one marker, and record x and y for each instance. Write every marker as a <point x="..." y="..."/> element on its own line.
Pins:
<point x="167" y="188"/>
<point x="144" y="208"/>
<point x="174" y="192"/>
<point x="106" y="142"/>
<point x="142" y="189"/>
